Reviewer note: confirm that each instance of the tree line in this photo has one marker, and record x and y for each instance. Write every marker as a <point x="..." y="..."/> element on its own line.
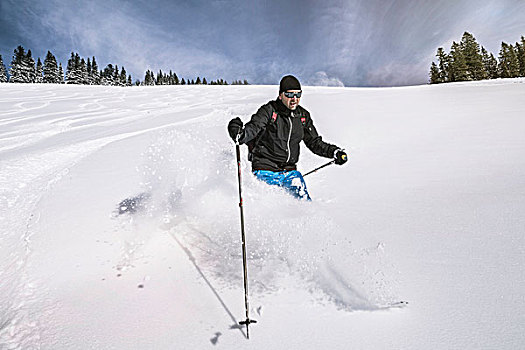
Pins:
<point x="467" y="61"/>
<point x="172" y="79"/>
<point x="23" y="69"/>
<point x="79" y="70"/>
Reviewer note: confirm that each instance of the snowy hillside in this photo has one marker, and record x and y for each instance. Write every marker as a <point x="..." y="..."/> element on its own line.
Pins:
<point x="429" y="209"/>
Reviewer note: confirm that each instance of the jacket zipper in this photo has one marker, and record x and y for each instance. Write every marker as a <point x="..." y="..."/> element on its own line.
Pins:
<point x="289" y="137"/>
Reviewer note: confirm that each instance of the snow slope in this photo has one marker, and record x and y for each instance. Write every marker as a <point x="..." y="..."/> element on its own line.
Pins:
<point x="429" y="209"/>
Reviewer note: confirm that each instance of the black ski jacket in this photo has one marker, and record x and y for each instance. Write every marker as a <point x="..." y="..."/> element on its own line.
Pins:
<point x="275" y="133"/>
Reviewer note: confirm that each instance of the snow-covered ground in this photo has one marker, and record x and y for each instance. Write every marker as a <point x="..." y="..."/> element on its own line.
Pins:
<point x="429" y="209"/>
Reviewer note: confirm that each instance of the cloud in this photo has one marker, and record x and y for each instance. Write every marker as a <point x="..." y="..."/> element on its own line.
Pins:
<point x="322" y="79"/>
<point x="355" y="42"/>
<point x="398" y="74"/>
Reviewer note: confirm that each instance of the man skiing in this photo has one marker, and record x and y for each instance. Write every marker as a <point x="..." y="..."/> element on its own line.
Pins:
<point x="273" y="136"/>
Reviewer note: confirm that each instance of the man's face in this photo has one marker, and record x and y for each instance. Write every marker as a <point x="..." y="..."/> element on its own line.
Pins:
<point x="291" y="102"/>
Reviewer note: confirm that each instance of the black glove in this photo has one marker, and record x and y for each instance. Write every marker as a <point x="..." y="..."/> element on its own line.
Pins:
<point x="235" y="128"/>
<point x="340" y="157"/>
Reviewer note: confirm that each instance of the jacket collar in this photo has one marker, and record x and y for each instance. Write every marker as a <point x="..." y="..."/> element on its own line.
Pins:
<point x="282" y="109"/>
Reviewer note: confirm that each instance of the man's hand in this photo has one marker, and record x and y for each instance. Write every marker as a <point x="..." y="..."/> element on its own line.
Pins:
<point x="340" y="157"/>
<point x="235" y="128"/>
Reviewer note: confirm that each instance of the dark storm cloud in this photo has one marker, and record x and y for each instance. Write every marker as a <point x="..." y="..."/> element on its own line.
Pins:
<point x="365" y="43"/>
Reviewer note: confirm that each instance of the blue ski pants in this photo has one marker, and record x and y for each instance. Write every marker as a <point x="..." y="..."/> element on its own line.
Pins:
<point x="292" y="181"/>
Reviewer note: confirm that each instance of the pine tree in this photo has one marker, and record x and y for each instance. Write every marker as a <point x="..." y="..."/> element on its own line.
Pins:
<point x="130" y="82"/>
<point x="160" y="81"/>
<point x="204" y="81"/>
<point x="490" y="64"/>
<point x="521" y="56"/>
<point x="183" y="82"/>
<point x="60" y="74"/>
<point x="472" y="56"/>
<point x="83" y="72"/>
<point x="116" y="76"/>
<point x="29" y="67"/>
<point x="95" y="74"/>
<point x="72" y="76"/>
<point x="457" y="65"/>
<point x="3" y="71"/>
<point x="493" y="67"/>
<point x="123" y="75"/>
<point x="152" y="78"/>
<point x="503" y="57"/>
<point x="70" y="66"/>
<point x="51" y="75"/>
<point x="443" y="65"/>
<point x="198" y="81"/>
<point x="147" y="78"/>
<point x="108" y="75"/>
<point x="39" y="77"/>
<point x="508" y="61"/>
<point x="16" y="71"/>
<point x="434" y="74"/>
<point x="89" y="72"/>
<point x="514" y="66"/>
<point x="22" y="67"/>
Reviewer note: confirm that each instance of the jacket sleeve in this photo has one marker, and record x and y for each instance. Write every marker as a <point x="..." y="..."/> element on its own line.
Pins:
<point x="315" y="143"/>
<point x="257" y="123"/>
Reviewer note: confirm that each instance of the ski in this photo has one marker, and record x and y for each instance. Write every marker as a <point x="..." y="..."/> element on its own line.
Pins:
<point x="394" y="305"/>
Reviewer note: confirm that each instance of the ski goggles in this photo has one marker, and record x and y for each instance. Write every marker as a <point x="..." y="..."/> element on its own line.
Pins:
<point x="293" y="94"/>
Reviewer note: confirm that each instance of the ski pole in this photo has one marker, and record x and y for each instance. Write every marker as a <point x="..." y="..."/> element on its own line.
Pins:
<point x="244" y="262"/>
<point x="322" y="166"/>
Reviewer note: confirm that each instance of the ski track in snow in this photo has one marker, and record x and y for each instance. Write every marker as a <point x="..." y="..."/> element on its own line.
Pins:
<point x="41" y="140"/>
<point x="43" y="130"/>
<point x="55" y="139"/>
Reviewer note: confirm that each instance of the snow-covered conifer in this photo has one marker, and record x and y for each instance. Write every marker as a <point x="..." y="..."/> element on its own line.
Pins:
<point x="89" y="72"/>
<point x="16" y="72"/>
<point x="147" y="79"/>
<point x="95" y="72"/>
<point x="72" y="71"/>
<point x="83" y="73"/>
<point x="107" y="76"/>
<point x="123" y="77"/>
<point x="3" y="72"/>
<point x="60" y="74"/>
<point x="39" y="77"/>
<point x="29" y="67"/>
<point x="160" y="78"/>
<point x="51" y="74"/>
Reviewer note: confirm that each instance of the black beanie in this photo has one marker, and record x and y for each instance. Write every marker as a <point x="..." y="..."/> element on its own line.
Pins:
<point x="289" y="82"/>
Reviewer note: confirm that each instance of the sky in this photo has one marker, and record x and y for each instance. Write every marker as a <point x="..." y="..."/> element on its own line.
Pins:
<point x="331" y="42"/>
